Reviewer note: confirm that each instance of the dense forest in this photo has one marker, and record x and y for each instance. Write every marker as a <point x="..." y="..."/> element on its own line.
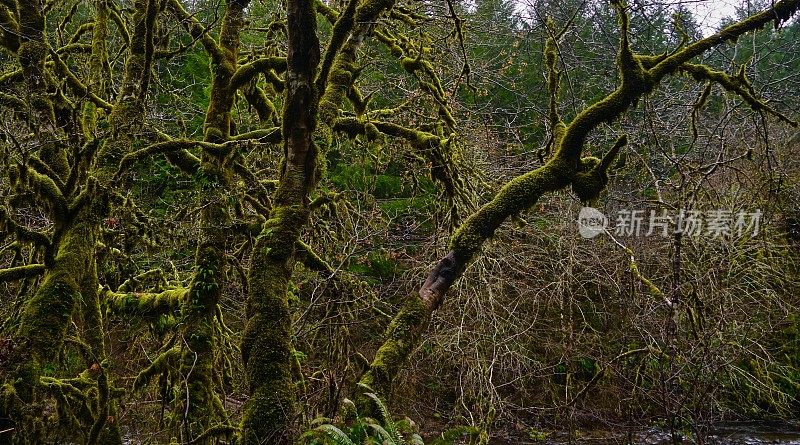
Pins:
<point x="396" y="221"/>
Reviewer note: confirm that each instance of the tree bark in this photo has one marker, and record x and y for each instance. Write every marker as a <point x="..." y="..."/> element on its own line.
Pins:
<point x="197" y="399"/>
<point x="267" y="344"/>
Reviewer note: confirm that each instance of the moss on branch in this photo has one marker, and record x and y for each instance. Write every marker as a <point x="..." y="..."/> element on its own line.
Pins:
<point x="341" y="29"/>
<point x="43" y="186"/>
<point x="166" y="147"/>
<point x="266" y="343"/>
<point x="588" y="175"/>
<point x="248" y="71"/>
<point x="9" y="30"/>
<point x="20" y="272"/>
<point x="196" y="30"/>
<point x="8" y="225"/>
<point x="401" y="338"/>
<point x="257" y="98"/>
<point x="778" y="13"/>
<point x="144" y="304"/>
<point x="77" y="86"/>
<point x="738" y="85"/>
<point x="163" y="362"/>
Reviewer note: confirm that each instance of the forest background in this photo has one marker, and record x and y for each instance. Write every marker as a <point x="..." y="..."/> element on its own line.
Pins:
<point x="196" y="247"/>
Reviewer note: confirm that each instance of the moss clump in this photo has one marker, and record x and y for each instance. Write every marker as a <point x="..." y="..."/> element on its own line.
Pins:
<point x="369" y="10"/>
<point x="280" y="231"/>
<point x="340" y="78"/>
<point x="144" y="304"/>
<point x="589" y="181"/>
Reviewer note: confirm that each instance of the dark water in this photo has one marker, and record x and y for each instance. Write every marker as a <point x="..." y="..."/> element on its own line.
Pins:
<point x="749" y="433"/>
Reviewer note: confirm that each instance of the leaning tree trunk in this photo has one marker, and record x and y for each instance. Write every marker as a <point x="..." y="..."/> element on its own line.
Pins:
<point x="639" y="75"/>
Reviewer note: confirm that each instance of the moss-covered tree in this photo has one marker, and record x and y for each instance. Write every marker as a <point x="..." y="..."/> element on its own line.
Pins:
<point x="73" y="184"/>
<point x="639" y="74"/>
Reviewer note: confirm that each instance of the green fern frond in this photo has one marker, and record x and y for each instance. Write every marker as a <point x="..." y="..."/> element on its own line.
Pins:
<point x="387" y="437"/>
<point x="388" y="423"/>
<point x="387" y="417"/>
<point x="337" y="436"/>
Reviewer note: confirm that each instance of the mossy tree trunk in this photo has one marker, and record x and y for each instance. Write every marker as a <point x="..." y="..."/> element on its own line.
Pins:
<point x="199" y="400"/>
<point x="44" y="323"/>
<point x="312" y="100"/>
<point x="267" y="342"/>
<point x="46" y="315"/>
<point x="70" y="284"/>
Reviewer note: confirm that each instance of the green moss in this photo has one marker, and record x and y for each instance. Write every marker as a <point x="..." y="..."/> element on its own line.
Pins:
<point x="266" y="345"/>
<point x="343" y="69"/>
<point x="738" y="85"/>
<point x="589" y="181"/>
<point x="339" y="81"/>
<point x="411" y="64"/>
<point x="281" y="230"/>
<point x="32" y="54"/>
<point x="145" y="304"/>
<point x="47" y="314"/>
<point x="44" y="187"/>
<point x="376" y="264"/>
<point x="45" y="320"/>
<point x="264" y="419"/>
<point x="8" y="398"/>
<point x="16" y="273"/>
<point x="165" y="361"/>
<point x="391" y="43"/>
<point x="402" y="337"/>
<point x="369" y="10"/>
<point x="517" y="195"/>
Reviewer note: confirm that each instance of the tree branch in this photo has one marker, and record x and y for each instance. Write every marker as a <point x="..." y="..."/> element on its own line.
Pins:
<point x="20" y="272"/>
<point x="248" y="71"/>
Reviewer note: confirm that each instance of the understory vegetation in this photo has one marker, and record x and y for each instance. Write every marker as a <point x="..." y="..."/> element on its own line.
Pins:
<point x="357" y="221"/>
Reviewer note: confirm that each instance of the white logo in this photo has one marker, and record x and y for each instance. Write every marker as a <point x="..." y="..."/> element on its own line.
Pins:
<point x="711" y="223"/>
<point x="591" y="222"/>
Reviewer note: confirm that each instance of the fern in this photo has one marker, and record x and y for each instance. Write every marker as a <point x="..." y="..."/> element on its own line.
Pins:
<point x="329" y="434"/>
<point x="388" y="423"/>
<point x="388" y="438"/>
<point x="365" y="430"/>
